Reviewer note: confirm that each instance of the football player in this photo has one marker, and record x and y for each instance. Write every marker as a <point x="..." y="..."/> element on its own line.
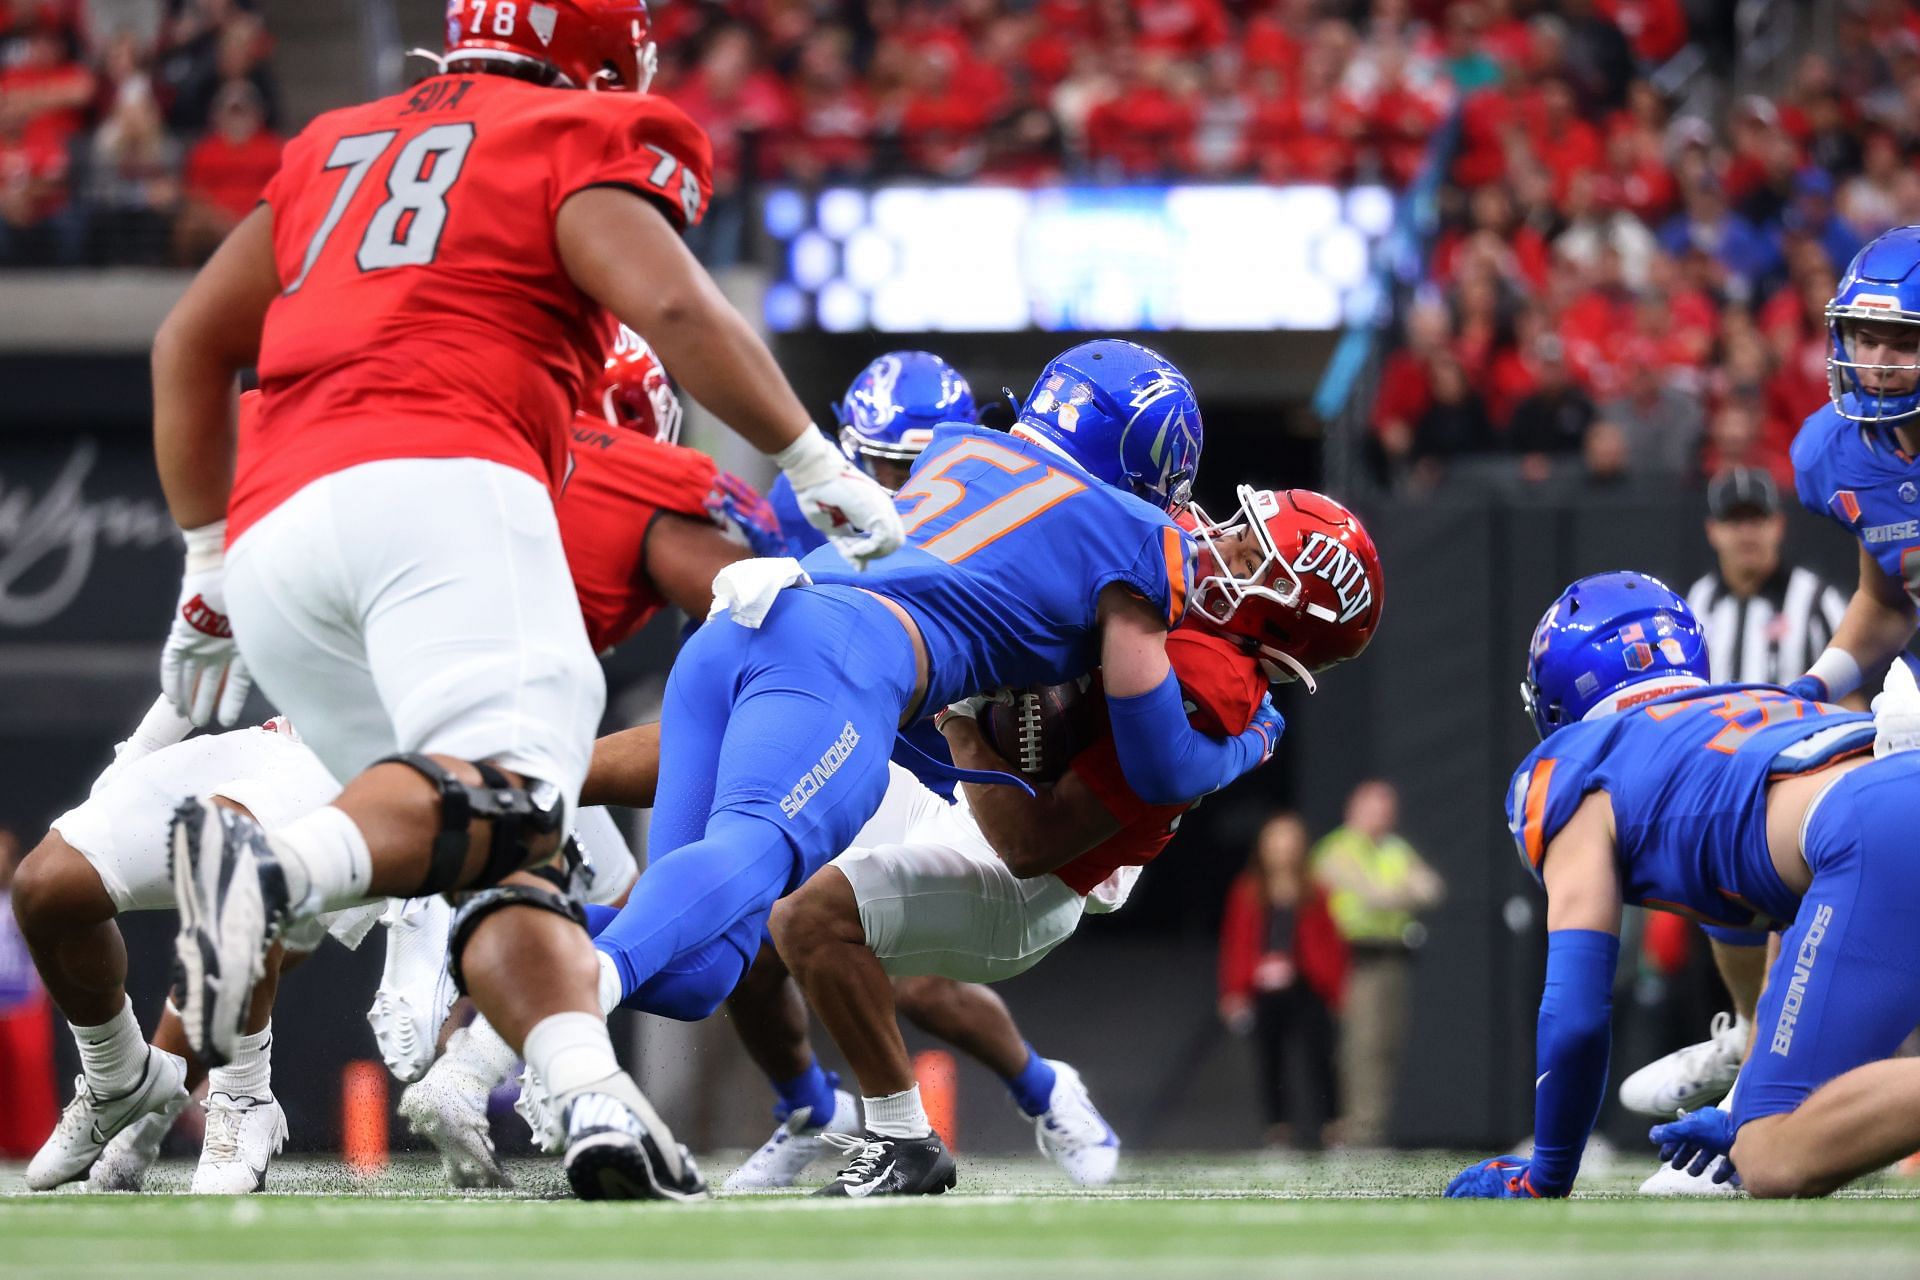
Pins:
<point x="1030" y="557"/>
<point x="424" y="289"/>
<point x="982" y="890"/>
<point x="1741" y="805"/>
<point x="644" y="523"/>
<point x="886" y="419"/>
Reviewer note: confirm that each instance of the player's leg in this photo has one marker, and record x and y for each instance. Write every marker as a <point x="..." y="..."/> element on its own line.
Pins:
<point x="973" y="1018"/>
<point x="770" y="1017"/>
<point x="1865" y="1120"/>
<point x="1844" y="993"/>
<point x="443" y="627"/>
<point x="1699" y="1075"/>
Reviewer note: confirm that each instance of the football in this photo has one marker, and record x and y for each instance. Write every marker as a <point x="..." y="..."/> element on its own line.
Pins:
<point x="1043" y="726"/>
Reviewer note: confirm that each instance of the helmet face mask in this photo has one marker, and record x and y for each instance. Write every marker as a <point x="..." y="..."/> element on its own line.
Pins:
<point x="635" y="393"/>
<point x="1313" y="597"/>
<point x="1875" y="313"/>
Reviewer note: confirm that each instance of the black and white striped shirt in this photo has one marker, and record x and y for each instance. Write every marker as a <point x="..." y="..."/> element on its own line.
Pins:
<point x="1772" y="636"/>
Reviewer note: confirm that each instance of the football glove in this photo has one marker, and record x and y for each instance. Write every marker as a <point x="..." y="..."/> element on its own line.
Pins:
<point x="737" y="507"/>
<point x="841" y="500"/>
<point x="1269" y="724"/>
<point x="1695" y="1140"/>
<point x="1809" y="689"/>
<point x="1501" y="1178"/>
<point x="201" y="670"/>
<point x="971" y="708"/>
<point x="1896" y="712"/>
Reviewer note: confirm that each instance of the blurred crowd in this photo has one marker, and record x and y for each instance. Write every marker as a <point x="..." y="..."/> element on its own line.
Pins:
<point x="1620" y="291"/>
<point x="131" y="131"/>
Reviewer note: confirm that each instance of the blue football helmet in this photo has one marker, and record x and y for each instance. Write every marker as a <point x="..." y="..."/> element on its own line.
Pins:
<point x="1882" y="285"/>
<point x="1604" y="633"/>
<point x="1123" y="412"/>
<point x="891" y="409"/>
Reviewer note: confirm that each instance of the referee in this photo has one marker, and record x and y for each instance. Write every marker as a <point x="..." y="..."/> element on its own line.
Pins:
<point x="1766" y="621"/>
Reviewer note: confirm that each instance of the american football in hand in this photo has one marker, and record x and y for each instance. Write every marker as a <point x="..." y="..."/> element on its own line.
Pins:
<point x="1041" y="728"/>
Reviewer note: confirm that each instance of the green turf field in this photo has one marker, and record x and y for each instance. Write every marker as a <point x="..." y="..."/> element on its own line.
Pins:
<point x="1169" y="1217"/>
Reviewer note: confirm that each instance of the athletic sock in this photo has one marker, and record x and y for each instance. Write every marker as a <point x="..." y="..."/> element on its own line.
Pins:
<point x="611" y="990"/>
<point x="326" y="859"/>
<point x="250" y="1073"/>
<point x="113" y="1055"/>
<point x="1032" y="1086"/>
<point x="812" y="1088"/>
<point x="478" y="1048"/>
<point x="569" y="1051"/>
<point x="897" y="1115"/>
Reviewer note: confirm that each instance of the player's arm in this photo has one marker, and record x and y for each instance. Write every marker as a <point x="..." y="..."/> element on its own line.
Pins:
<point x="211" y="334"/>
<point x="1878" y="623"/>
<point x="1033" y="834"/>
<point x="1573" y="1037"/>
<point x="1164" y="758"/>
<point x="625" y="768"/>
<point x="680" y="557"/>
<point x="624" y="254"/>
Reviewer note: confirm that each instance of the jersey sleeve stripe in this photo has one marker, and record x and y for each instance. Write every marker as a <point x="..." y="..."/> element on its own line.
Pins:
<point x="1533" y="831"/>
<point x="1176" y="554"/>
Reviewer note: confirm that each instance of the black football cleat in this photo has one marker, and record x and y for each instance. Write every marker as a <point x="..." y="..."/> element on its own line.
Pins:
<point x="882" y="1166"/>
<point x="618" y="1148"/>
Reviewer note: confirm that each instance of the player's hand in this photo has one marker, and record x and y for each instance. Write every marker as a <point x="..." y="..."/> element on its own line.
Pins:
<point x="1236" y="1014"/>
<point x="1695" y="1140"/>
<point x="971" y="708"/>
<point x="1264" y="733"/>
<point x="737" y="507"/>
<point x="1501" y="1178"/>
<point x="1809" y="689"/>
<point x="840" y="500"/>
<point x="1896" y="712"/>
<point x="201" y="670"/>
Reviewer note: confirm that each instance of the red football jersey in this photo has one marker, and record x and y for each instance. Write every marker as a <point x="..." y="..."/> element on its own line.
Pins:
<point x="621" y="480"/>
<point x="424" y="310"/>
<point x="1224" y="687"/>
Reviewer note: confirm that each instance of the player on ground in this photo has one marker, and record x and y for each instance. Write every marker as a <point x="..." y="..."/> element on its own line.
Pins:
<point x="643" y="523"/>
<point x="985" y="889"/>
<point x="424" y="289"/>
<point x="1030" y="558"/>
<point x="1740" y="805"/>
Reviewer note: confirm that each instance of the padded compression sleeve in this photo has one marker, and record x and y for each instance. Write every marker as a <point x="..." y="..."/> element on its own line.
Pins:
<point x="1570" y="1052"/>
<point x="1166" y="760"/>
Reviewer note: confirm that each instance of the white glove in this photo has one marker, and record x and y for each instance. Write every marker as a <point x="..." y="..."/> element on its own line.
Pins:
<point x="201" y="671"/>
<point x="161" y="727"/>
<point x="746" y="589"/>
<point x="841" y="500"/>
<point x="1896" y="712"/>
<point x="970" y="708"/>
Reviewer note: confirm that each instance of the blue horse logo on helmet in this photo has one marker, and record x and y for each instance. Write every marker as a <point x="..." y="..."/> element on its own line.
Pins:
<point x="1606" y="633"/>
<point x="1879" y="294"/>
<point x="894" y="404"/>
<point x="1124" y="413"/>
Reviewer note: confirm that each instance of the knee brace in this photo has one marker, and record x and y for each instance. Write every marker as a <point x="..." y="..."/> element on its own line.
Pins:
<point x="500" y="898"/>
<point x="516" y="816"/>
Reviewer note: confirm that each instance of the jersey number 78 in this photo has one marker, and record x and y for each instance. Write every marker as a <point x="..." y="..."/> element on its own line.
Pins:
<point x="405" y="229"/>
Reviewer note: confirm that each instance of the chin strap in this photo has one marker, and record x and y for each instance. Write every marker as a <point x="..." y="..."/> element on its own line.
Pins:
<point x="1279" y="665"/>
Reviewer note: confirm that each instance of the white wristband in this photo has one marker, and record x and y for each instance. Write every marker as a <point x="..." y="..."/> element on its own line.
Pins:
<point x="1836" y="669"/>
<point x="206" y="546"/>
<point x="810" y="460"/>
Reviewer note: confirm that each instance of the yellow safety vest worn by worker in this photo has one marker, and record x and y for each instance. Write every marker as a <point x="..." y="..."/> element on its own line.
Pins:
<point x="1389" y="865"/>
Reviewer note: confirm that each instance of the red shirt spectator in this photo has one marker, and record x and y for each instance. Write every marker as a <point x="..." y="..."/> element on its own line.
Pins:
<point x="1144" y="130"/>
<point x="1185" y="28"/>
<point x="1657" y="29"/>
<point x="230" y="167"/>
<point x="1318" y="955"/>
<point x="730" y="98"/>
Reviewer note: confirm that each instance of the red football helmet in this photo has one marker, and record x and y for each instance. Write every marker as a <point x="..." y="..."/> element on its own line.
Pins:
<point x="634" y="391"/>
<point x="1314" y="600"/>
<point x="589" y="44"/>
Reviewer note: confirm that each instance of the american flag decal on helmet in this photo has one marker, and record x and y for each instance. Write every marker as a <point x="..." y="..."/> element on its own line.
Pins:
<point x="1846" y="505"/>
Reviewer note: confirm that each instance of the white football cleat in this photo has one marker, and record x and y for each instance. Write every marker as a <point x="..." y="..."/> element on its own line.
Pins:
<point x="1073" y="1134"/>
<point x="89" y="1123"/>
<point x="1669" y="1181"/>
<point x="796" y="1143"/>
<point x="449" y="1109"/>
<point x="1690" y="1078"/>
<point x="231" y="892"/>
<point x="416" y="987"/>
<point x="124" y="1164"/>
<point x="244" y="1134"/>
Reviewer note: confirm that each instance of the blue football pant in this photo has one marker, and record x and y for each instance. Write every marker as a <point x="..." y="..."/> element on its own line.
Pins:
<point x="773" y="753"/>
<point x="1846" y="988"/>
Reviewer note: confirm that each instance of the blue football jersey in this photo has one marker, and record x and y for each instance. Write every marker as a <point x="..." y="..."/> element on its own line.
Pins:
<point x="802" y="538"/>
<point x="1687" y="775"/>
<point x="1857" y="476"/>
<point x="1008" y="548"/>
